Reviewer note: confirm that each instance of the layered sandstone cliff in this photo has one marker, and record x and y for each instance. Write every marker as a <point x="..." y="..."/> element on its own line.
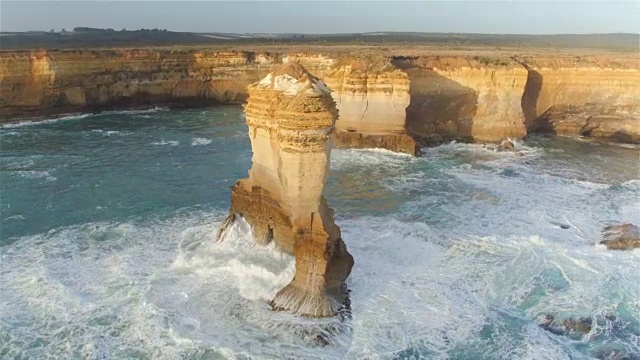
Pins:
<point x="464" y="98"/>
<point x="385" y="100"/>
<point x="291" y="117"/>
<point x="372" y="104"/>
<point x="598" y="99"/>
<point x="371" y="95"/>
<point x="40" y="83"/>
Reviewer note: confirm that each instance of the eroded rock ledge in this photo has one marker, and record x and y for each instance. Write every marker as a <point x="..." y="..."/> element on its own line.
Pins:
<point x="291" y="117"/>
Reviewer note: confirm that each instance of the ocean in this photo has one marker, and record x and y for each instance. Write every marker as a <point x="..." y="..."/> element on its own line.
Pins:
<point x="107" y="251"/>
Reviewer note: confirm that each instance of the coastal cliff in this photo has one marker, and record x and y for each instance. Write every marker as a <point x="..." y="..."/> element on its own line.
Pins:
<point x="598" y="99"/>
<point x="388" y="100"/>
<point x="41" y="83"/>
<point x="291" y="117"/>
<point x="464" y="98"/>
<point x="372" y="104"/>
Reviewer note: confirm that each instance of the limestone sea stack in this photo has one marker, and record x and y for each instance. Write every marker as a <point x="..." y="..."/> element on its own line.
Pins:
<point x="291" y="117"/>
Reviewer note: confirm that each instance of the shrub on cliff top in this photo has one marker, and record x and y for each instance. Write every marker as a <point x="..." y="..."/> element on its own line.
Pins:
<point x="365" y="60"/>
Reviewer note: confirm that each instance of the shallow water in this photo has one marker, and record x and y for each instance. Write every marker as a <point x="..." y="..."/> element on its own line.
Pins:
<point x="107" y="251"/>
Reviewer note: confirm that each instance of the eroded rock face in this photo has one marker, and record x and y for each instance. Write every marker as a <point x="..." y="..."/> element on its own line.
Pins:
<point x="37" y="83"/>
<point x="600" y="122"/>
<point x="574" y="328"/>
<point x="464" y="99"/>
<point x="388" y="100"/>
<point x="595" y="98"/>
<point x="372" y="108"/>
<point x="291" y="117"/>
<point x="621" y="237"/>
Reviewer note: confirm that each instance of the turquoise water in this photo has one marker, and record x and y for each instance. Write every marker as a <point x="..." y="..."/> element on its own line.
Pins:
<point x="107" y="251"/>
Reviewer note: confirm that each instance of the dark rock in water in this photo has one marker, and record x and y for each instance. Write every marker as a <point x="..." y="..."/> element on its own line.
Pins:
<point x="506" y="145"/>
<point x="547" y="323"/>
<point x="224" y="226"/>
<point x="581" y="326"/>
<point x="612" y="353"/>
<point x="508" y="172"/>
<point x="321" y="340"/>
<point x="621" y="237"/>
<point x="344" y="312"/>
<point x="561" y="225"/>
<point x="568" y="327"/>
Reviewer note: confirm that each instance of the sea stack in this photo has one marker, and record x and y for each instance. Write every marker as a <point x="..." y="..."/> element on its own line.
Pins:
<point x="291" y="117"/>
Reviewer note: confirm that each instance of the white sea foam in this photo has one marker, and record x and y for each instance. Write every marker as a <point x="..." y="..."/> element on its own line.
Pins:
<point x="78" y="117"/>
<point x="462" y="270"/>
<point x="200" y="141"/>
<point x="111" y="132"/>
<point x="46" y="121"/>
<point x="344" y="158"/>
<point x="166" y="288"/>
<point x="35" y="174"/>
<point x="163" y="143"/>
<point x="135" y="112"/>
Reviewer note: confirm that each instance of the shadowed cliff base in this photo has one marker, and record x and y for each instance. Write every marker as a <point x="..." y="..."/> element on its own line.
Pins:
<point x="402" y="143"/>
<point x="440" y="109"/>
<point x="597" y="121"/>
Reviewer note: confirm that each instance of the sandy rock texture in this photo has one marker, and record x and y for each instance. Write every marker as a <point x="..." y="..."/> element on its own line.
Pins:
<point x="291" y="117"/>
<point x="399" y="99"/>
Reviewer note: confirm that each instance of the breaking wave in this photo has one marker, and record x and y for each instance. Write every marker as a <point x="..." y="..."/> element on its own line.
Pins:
<point x="163" y="142"/>
<point x="165" y="287"/>
<point x="458" y="254"/>
<point x="200" y="141"/>
<point x="77" y="117"/>
<point x="34" y="174"/>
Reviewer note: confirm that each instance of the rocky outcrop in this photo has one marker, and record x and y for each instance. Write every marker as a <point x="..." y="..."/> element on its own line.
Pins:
<point x="621" y="237"/>
<point x="371" y="95"/>
<point x="291" y="117"/>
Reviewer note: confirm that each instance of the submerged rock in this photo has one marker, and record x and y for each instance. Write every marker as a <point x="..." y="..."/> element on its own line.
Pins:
<point x="291" y="117"/>
<point x="568" y="327"/>
<point x="621" y="237"/>
<point x="506" y="145"/>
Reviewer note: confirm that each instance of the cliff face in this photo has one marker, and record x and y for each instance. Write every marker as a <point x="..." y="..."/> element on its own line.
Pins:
<point x="463" y="99"/>
<point x="372" y="108"/>
<point x="387" y="101"/>
<point x="291" y="117"/>
<point x="371" y="100"/>
<point x="599" y="102"/>
<point x="42" y="83"/>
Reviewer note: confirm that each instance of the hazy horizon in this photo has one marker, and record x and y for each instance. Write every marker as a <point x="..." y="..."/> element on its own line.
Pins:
<point x="483" y="17"/>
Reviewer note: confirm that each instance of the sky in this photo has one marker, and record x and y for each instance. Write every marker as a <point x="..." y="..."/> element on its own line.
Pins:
<point x="493" y="17"/>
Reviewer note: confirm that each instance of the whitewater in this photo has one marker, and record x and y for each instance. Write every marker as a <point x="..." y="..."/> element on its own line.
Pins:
<point x="107" y="247"/>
